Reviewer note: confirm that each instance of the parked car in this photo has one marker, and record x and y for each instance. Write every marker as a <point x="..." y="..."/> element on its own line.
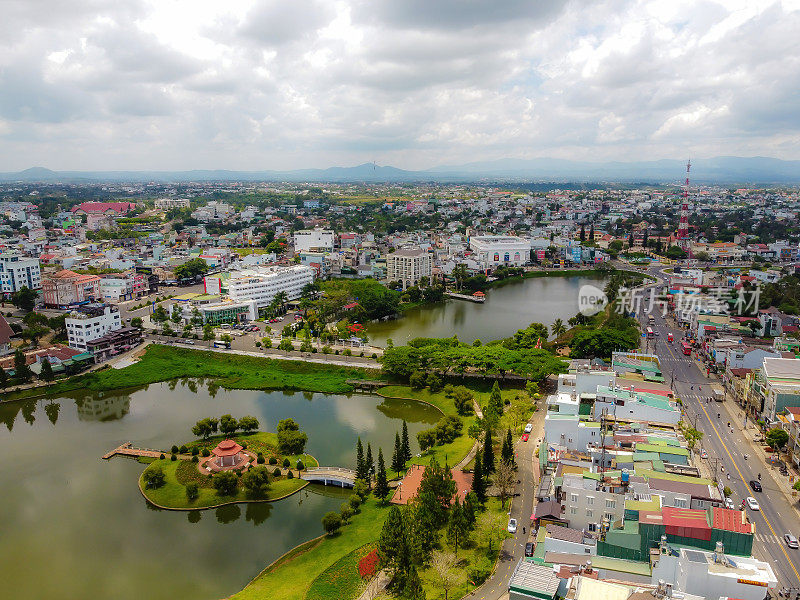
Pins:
<point x="730" y="504"/>
<point x="703" y="454"/>
<point x="790" y="540"/>
<point x="752" y="503"/>
<point x="755" y="485"/>
<point x="528" y="428"/>
<point x="512" y="526"/>
<point x="529" y="549"/>
<point x="524" y="437"/>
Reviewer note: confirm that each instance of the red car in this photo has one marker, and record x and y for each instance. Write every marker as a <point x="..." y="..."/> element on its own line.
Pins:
<point x="524" y="437"/>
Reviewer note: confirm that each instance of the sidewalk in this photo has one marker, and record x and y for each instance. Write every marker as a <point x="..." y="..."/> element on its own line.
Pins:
<point x="781" y="481"/>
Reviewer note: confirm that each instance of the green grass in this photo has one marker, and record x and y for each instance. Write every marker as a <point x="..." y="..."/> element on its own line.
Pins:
<point x="232" y="371"/>
<point x="341" y="580"/>
<point x="263" y="441"/>
<point x="291" y="576"/>
<point x="173" y="494"/>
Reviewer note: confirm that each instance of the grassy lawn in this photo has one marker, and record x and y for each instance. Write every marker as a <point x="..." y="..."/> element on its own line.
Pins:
<point x="475" y="557"/>
<point x="341" y="580"/>
<point x="291" y="577"/>
<point x="232" y="371"/>
<point x="263" y="441"/>
<point x="173" y="493"/>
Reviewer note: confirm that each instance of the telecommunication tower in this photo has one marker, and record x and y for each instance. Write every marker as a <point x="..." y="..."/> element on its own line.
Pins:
<point x="683" y="226"/>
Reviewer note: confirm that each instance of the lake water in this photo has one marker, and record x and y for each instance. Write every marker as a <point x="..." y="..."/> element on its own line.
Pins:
<point x="507" y="308"/>
<point x="76" y="526"/>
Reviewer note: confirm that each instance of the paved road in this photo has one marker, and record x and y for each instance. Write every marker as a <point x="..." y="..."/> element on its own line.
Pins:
<point x="777" y="515"/>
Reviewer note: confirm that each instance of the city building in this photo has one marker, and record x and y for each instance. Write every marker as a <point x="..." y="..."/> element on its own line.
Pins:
<point x="775" y="386"/>
<point x="114" y="342"/>
<point x="17" y="272"/>
<point x="91" y="322"/>
<point x="170" y="203"/>
<point x="497" y="250"/>
<point x="115" y="209"/>
<point x="314" y="240"/>
<point x="408" y="266"/>
<point x="66" y="288"/>
<point x="260" y="284"/>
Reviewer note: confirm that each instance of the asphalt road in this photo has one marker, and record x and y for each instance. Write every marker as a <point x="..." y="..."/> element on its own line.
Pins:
<point x="777" y="515"/>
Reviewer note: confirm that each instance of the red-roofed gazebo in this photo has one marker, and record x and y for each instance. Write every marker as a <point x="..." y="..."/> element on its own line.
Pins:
<point x="228" y="454"/>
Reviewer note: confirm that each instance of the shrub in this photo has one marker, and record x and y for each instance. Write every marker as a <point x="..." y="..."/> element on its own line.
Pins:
<point x="183" y="449"/>
<point x="300" y="466"/>
<point x="244" y="445"/>
<point x="314" y="350"/>
<point x="418" y="380"/>
<point x="362" y="354"/>
<point x="195" y="459"/>
<point x="286" y="463"/>
<point x="206" y="452"/>
<point x="374" y="356"/>
<point x="162" y="456"/>
<point x="174" y="449"/>
<point x="260" y="459"/>
<point x="347" y="352"/>
<point x="331" y="522"/>
<point x="355" y="501"/>
<point x="289" y="475"/>
<point x="192" y="491"/>
<point x="477" y="575"/>
<point x="345" y="511"/>
<point x="195" y="451"/>
<point x="276" y="472"/>
<point x="368" y="566"/>
<point x="336" y="352"/>
<point x="327" y="349"/>
<point x="225" y="483"/>
<point x="273" y="460"/>
<point x="173" y="457"/>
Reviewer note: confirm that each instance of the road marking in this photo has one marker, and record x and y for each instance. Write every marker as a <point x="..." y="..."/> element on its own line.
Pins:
<point x="735" y="466"/>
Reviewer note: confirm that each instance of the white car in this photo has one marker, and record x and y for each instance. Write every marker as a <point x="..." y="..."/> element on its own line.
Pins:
<point x="703" y="454"/>
<point x="730" y="504"/>
<point x="752" y="503"/>
<point x="512" y="526"/>
<point x="528" y="428"/>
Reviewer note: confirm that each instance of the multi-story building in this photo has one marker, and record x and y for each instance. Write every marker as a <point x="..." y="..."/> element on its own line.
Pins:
<point x="91" y="322"/>
<point x="261" y="284"/>
<point x="17" y="272"/>
<point x="319" y="240"/>
<point x="774" y="387"/>
<point x="67" y="287"/>
<point x="498" y="250"/>
<point x="114" y="342"/>
<point x="169" y="203"/>
<point x="408" y="266"/>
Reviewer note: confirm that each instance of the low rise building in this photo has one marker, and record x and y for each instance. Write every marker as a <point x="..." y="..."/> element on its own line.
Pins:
<point x="113" y="343"/>
<point x="494" y="250"/>
<point x="775" y="386"/>
<point x="66" y="288"/>
<point x="314" y="240"/>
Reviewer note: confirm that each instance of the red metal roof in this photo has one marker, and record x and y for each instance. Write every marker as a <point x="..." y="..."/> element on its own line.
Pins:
<point x="227" y="448"/>
<point x="731" y="520"/>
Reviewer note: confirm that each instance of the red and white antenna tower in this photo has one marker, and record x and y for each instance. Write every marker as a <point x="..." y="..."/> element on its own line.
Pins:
<point x="683" y="226"/>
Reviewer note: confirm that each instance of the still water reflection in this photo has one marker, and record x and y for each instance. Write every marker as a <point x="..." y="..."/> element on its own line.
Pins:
<point x="75" y="526"/>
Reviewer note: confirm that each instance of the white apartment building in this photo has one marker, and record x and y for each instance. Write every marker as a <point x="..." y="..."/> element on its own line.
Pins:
<point x="17" y="271"/>
<point x="586" y="506"/>
<point x="91" y="322"/>
<point x="408" y="266"/>
<point x="169" y="203"/>
<point x="313" y="239"/>
<point x="261" y="284"/>
<point x="496" y="250"/>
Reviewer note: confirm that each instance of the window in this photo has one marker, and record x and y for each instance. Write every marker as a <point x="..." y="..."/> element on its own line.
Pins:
<point x="680" y="503"/>
<point x="611" y="503"/>
<point x="592" y="527"/>
<point x="573" y="511"/>
<point x="573" y="497"/>
<point x="589" y="500"/>
<point x="589" y="514"/>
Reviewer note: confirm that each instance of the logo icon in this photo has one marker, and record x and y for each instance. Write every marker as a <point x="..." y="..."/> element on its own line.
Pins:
<point x="591" y="300"/>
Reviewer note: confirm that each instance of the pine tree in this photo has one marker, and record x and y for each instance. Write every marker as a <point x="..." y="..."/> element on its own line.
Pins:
<point x="488" y="453"/>
<point x="368" y="466"/>
<point x="494" y="410"/>
<point x="583" y="233"/>
<point x="507" y="452"/>
<point x="21" y="369"/>
<point x="405" y="445"/>
<point x="392" y="544"/>
<point x="360" y="461"/>
<point x="381" y="490"/>
<point x="468" y="508"/>
<point x="398" y="464"/>
<point x="412" y="587"/>
<point x="46" y="373"/>
<point x="478" y="482"/>
<point x="456" y="526"/>
<point x="591" y="232"/>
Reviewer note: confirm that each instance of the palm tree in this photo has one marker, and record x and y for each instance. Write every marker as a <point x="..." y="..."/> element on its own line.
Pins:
<point x="282" y="299"/>
<point x="558" y="328"/>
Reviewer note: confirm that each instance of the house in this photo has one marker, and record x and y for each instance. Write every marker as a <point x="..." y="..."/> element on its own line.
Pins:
<point x="5" y="336"/>
<point x="115" y="209"/>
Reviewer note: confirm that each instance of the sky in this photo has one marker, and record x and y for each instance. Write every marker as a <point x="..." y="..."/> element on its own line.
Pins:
<point x="256" y="85"/>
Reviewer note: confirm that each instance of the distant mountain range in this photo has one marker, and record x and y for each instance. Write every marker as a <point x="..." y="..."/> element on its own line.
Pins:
<point x="721" y="169"/>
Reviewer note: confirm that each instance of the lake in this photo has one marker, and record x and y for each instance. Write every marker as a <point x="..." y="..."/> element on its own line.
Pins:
<point x="76" y="526"/>
<point x="508" y="308"/>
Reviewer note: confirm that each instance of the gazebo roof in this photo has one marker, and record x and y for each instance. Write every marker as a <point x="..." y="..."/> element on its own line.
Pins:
<point x="227" y="448"/>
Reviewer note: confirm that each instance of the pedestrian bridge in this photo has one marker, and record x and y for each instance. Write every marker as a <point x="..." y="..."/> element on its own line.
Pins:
<point x="330" y="476"/>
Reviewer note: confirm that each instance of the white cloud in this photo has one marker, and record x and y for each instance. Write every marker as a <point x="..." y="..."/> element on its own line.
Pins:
<point x="255" y="84"/>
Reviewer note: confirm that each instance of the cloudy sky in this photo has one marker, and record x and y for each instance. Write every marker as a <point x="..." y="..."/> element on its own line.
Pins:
<point x="243" y="84"/>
